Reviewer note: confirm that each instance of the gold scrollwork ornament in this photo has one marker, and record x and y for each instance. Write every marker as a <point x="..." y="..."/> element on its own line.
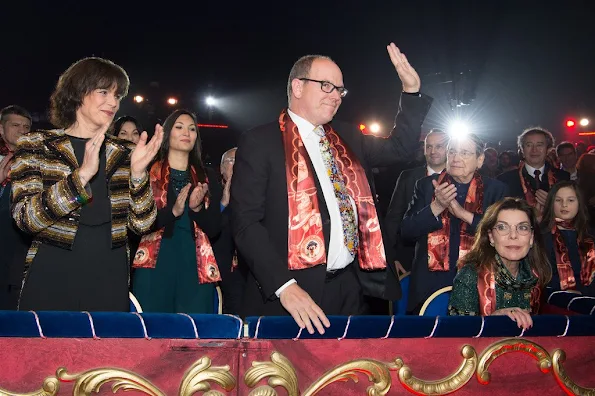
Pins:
<point x="443" y="386"/>
<point x="279" y="371"/>
<point x="50" y="387"/>
<point x="508" y="345"/>
<point x="559" y="357"/>
<point x="197" y="378"/>
<point x="92" y="380"/>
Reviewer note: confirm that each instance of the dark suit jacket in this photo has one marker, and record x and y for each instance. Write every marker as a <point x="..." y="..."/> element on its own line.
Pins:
<point x="260" y="216"/>
<point x="419" y="221"/>
<point x="513" y="181"/>
<point x="397" y="249"/>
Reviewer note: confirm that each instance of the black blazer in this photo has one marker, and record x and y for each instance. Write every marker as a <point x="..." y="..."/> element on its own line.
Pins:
<point x="397" y="249"/>
<point x="513" y="181"/>
<point x="260" y="211"/>
<point x="419" y="221"/>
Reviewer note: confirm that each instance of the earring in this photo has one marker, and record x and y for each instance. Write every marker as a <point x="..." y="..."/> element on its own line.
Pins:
<point x="492" y="244"/>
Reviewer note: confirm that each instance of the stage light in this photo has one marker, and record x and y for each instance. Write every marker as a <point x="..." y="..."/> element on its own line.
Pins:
<point x="211" y="101"/>
<point x="375" y="127"/>
<point x="139" y="99"/>
<point x="458" y="129"/>
<point x="172" y="101"/>
<point x="569" y="123"/>
<point x="362" y="127"/>
<point x="584" y="122"/>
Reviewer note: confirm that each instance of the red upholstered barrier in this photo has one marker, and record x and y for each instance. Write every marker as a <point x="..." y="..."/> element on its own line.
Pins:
<point x="175" y="366"/>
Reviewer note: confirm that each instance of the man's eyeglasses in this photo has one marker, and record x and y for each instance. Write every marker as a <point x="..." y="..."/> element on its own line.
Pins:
<point x="464" y="154"/>
<point x="327" y="87"/>
<point x="504" y="229"/>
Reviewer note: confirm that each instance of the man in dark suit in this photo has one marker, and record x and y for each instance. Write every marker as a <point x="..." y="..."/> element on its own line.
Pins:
<point x="435" y="152"/>
<point x="537" y="175"/>
<point x="304" y="216"/>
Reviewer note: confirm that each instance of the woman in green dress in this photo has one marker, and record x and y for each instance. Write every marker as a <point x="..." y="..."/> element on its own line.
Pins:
<point x="176" y="270"/>
<point x="507" y="268"/>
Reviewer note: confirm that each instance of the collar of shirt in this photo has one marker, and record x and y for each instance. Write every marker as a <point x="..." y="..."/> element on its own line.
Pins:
<point x="305" y="128"/>
<point x="431" y="171"/>
<point x="531" y="170"/>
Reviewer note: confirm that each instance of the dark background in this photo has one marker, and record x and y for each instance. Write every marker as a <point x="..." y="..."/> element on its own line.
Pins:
<point x="514" y="64"/>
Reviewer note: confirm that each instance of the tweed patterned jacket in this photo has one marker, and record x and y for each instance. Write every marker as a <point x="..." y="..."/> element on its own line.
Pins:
<point x="47" y="195"/>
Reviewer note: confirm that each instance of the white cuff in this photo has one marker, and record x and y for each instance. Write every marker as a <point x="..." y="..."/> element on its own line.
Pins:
<point x="288" y="283"/>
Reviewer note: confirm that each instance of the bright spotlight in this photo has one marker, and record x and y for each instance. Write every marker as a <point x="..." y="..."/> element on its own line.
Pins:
<point x="210" y="101"/>
<point x="172" y="101"/>
<point x="584" y="122"/>
<point x="362" y="127"/>
<point x="458" y="129"/>
<point x="375" y="127"/>
<point x="139" y="99"/>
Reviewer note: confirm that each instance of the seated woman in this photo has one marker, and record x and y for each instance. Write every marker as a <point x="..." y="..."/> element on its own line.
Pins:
<point x="175" y="268"/>
<point x="507" y="268"/>
<point x="569" y="243"/>
<point x="443" y="215"/>
<point x="127" y="128"/>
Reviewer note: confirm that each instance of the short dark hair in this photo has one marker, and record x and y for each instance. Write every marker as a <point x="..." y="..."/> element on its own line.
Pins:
<point x="115" y="129"/>
<point x="16" y="110"/>
<point x="565" y="145"/>
<point x="536" y="131"/>
<point x="79" y="80"/>
<point x="301" y="68"/>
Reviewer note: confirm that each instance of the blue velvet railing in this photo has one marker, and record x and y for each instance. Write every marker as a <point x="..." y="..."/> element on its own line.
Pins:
<point x="129" y="325"/>
<point x="571" y="301"/>
<point x="118" y="325"/>
<point x="283" y="327"/>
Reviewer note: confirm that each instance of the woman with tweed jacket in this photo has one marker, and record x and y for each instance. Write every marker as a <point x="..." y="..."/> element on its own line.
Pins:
<point x="76" y="190"/>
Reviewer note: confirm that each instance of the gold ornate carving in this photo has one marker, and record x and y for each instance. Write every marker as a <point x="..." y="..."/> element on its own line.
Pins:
<point x="377" y="372"/>
<point x="263" y="390"/>
<point x="508" y="345"/>
<point x="197" y="378"/>
<point x="92" y="380"/>
<point x="50" y="387"/>
<point x="279" y="370"/>
<point x="559" y="357"/>
<point x="443" y="386"/>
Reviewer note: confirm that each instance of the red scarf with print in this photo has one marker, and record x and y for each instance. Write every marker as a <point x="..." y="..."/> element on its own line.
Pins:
<point x="148" y="250"/>
<point x="439" y="241"/>
<point x="563" y="264"/>
<point x="527" y="183"/>
<point x="306" y="246"/>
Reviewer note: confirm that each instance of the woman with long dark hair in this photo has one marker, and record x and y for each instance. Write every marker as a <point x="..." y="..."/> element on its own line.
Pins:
<point x="127" y="128"/>
<point x="175" y="266"/>
<point x="569" y="243"/>
<point x="506" y="270"/>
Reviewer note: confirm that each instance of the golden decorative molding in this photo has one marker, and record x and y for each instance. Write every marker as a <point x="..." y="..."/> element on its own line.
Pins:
<point x="569" y="386"/>
<point x="92" y="380"/>
<point x="263" y="390"/>
<point x="279" y="370"/>
<point x="508" y="345"/>
<point x="50" y="387"/>
<point x="197" y="378"/>
<point x="377" y="372"/>
<point x="443" y="386"/>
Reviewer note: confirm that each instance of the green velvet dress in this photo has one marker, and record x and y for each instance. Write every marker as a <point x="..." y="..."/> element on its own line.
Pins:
<point x="172" y="286"/>
<point x="510" y="292"/>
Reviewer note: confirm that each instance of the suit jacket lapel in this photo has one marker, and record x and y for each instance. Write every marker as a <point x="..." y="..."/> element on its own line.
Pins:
<point x="62" y="146"/>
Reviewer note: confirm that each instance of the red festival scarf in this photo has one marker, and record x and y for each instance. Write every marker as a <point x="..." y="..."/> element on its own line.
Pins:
<point x="305" y="236"/>
<point x="439" y="241"/>
<point x="565" y="271"/>
<point x="486" y="287"/>
<point x="527" y="185"/>
<point x="148" y="250"/>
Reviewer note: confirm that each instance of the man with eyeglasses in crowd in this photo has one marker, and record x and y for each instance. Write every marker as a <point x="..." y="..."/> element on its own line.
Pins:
<point x="304" y="216"/>
<point x="534" y="176"/>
